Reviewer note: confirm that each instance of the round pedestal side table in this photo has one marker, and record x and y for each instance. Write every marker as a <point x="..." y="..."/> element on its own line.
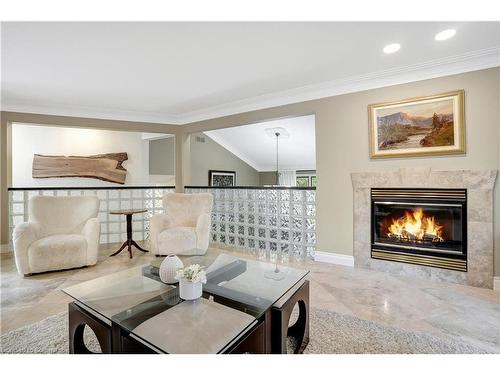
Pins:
<point x="129" y="242"/>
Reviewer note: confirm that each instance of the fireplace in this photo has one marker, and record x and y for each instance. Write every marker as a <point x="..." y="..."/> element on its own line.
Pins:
<point x="427" y="227"/>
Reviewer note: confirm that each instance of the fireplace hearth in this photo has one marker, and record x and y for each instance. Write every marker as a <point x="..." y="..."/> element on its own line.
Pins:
<point x="427" y="227"/>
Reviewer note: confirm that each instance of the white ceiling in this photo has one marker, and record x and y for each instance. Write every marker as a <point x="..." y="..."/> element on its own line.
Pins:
<point x="252" y="144"/>
<point x="182" y="72"/>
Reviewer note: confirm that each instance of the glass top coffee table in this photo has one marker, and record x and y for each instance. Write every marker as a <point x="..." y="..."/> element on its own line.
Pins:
<point x="241" y="310"/>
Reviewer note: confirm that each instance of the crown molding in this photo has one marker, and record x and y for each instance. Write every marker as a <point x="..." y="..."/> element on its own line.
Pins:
<point x="466" y="62"/>
<point x="91" y="112"/>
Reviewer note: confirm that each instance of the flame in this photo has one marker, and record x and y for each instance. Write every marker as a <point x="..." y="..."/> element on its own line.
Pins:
<point x="414" y="225"/>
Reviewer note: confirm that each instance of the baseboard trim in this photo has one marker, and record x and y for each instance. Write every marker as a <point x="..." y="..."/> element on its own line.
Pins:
<point x="333" y="258"/>
<point x="496" y="283"/>
<point x="4" y="249"/>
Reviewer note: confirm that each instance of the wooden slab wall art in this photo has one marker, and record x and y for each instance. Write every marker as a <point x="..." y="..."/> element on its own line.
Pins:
<point x="106" y="167"/>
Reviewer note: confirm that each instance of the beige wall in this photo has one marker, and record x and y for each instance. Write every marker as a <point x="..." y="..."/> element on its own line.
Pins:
<point x="211" y="155"/>
<point x="162" y="156"/>
<point x="342" y="145"/>
<point x="267" y="178"/>
<point x="3" y="178"/>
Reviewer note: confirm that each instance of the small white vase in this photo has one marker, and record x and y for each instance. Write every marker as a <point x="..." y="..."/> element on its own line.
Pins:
<point x="169" y="267"/>
<point x="189" y="290"/>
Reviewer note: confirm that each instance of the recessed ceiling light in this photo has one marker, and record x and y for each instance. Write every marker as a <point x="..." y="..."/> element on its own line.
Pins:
<point x="445" y="34"/>
<point x="391" y="48"/>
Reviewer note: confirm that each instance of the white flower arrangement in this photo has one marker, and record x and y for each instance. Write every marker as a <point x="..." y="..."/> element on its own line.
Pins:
<point x="193" y="273"/>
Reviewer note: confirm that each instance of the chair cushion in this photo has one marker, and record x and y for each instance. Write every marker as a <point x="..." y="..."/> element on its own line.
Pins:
<point x="179" y="240"/>
<point x="57" y="252"/>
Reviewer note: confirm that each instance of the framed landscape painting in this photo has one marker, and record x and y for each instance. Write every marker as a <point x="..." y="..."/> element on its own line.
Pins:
<point x="221" y="178"/>
<point x="432" y="125"/>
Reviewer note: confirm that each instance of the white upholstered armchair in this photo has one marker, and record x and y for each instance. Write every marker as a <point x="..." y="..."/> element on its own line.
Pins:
<point x="184" y="228"/>
<point x="62" y="233"/>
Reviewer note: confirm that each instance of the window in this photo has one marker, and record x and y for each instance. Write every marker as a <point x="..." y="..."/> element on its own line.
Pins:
<point x="306" y="179"/>
<point x="313" y="181"/>
<point x="302" y="181"/>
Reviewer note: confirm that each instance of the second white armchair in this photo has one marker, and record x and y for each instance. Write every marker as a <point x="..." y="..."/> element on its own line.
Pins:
<point x="184" y="228"/>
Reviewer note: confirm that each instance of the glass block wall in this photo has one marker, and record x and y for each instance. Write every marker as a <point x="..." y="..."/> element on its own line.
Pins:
<point x="267" y="222"/>
<point x="113" y="227"/>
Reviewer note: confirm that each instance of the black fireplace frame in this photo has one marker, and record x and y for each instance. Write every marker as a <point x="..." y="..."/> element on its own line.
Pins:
<point x="419" y="255"/>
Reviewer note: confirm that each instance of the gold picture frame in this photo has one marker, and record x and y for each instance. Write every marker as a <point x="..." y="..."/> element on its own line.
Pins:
<point x="423" y="126"/>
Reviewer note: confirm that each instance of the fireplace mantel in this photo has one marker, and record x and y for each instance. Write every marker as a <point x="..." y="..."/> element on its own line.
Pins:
<point x="479" y="185"/>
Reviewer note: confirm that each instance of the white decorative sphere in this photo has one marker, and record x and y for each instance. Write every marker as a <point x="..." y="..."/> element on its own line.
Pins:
<point x="168" y="268"/>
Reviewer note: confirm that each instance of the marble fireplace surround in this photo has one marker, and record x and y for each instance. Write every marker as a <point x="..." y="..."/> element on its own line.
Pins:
<point x="479" y="185"/>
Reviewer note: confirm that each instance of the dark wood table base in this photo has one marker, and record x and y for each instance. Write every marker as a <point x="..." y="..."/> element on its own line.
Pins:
<point x="299" y="331"/>
<point x="269" y="335"/>
<point x="129" y="242"/>
<point x="78" y="319"/>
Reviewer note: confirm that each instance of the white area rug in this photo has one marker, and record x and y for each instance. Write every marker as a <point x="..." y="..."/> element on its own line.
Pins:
<point x="330" y="333"/>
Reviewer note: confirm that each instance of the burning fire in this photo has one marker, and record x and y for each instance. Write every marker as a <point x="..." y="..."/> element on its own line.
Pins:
<point x="416" y="226"/>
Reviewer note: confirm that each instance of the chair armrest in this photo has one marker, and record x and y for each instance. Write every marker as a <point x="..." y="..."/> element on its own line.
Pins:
<point x="92" y="232"/>
<point x="203" y="231"/>
<point x="157" y="224"/>
<point x="23" y="236"/>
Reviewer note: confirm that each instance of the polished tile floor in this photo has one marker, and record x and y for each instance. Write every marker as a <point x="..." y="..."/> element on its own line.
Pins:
<point x="468" y="313"/>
